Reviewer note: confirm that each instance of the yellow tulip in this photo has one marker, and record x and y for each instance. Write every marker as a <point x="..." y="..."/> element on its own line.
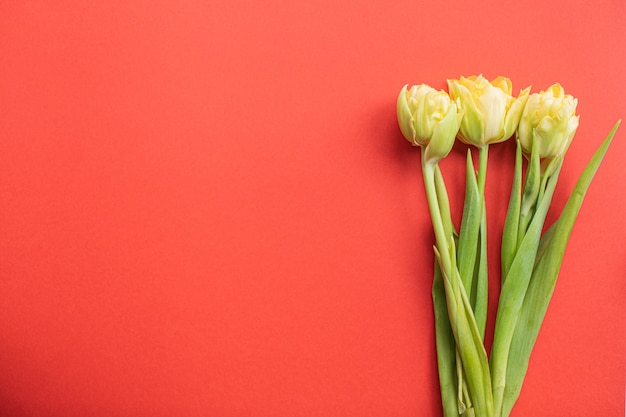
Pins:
<point x="491" y="113"/>
<point x="549" y="122"/>
<point x="428" y="118"/>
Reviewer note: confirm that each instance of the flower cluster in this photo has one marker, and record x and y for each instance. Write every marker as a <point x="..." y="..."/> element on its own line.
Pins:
<point x="480" y="113"/>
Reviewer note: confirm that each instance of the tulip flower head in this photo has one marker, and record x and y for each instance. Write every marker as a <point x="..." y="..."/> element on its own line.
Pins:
<point x="549" y="122"/>
<point x="428" y="118"/>
<point x="491" y="113"/>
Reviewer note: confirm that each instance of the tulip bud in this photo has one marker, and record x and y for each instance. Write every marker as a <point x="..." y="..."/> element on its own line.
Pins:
<point x="548" y="122"/>
<point x="428" y="118"/>
<point x="490" y="113"/>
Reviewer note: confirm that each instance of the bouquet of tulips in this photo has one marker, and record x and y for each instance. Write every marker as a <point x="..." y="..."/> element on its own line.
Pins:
<point x="481" y="113"/>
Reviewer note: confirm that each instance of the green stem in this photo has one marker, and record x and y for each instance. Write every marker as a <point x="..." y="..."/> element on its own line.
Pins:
<point x="483" y="156"/>
<point x="462" y="322"/>
<point x="428" y="169"/>
<point x="480" y="290"/>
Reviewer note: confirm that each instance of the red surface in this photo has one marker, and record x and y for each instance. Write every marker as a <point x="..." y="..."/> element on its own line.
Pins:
<point x="207" y="209"/>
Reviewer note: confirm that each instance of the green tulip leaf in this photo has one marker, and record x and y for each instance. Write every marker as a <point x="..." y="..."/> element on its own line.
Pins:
<point x="543" y="280"/>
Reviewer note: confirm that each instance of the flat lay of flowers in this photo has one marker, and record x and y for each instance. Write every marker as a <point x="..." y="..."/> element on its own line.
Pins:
<point x="481" y="113"/>
<point x="312" y="209"/>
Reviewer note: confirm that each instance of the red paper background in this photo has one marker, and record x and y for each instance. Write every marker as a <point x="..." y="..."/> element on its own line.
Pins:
<point x="207" y="209"/>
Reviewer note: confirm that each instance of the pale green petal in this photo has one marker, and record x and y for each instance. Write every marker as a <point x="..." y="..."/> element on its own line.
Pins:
<point x="405" y="118"/>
